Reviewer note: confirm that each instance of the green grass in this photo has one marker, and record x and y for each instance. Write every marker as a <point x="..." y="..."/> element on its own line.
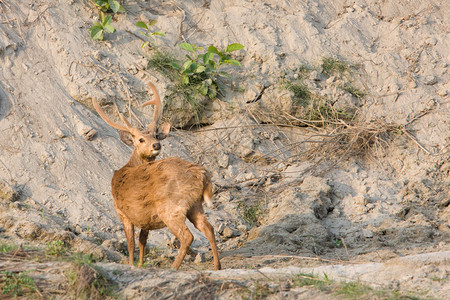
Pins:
<point x="349" y="88"/>
<point x="251" y="212"/>
<point x="301" y="280"/>
<point x="6" y="247"/>
<point x="162" y="62"/>
<point x="302" y="95"/>
<point x="56" y="248"/>
<point x="353" y="290"/>
<point x="334" y="66"/>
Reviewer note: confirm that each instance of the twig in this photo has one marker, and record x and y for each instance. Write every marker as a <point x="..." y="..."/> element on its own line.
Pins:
<point x="345" y="246"/>
<point x="199" y="271"/>
<point x="305" y="258"/>
<point x="263" y="274"/>
<point x="412" y="138"/>
<point x="136" y="35"/>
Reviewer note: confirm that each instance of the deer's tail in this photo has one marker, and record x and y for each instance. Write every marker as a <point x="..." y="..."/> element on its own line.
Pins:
<point x="208" y="194"/>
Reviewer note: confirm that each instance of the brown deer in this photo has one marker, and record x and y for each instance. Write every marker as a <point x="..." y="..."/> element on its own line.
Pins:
<point x="153" y="194"/>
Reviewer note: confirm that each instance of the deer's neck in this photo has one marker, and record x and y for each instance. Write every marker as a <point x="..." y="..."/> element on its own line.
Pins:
<point x="136" y="160"/>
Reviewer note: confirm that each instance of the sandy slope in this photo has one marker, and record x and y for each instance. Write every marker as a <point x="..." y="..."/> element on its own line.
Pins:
<point x="57" y="155"/>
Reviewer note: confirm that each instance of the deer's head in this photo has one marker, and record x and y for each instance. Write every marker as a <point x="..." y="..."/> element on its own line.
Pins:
<point x="146" y="143"/>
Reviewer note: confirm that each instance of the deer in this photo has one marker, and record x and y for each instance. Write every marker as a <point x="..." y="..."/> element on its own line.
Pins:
<point x="152" y="194"/>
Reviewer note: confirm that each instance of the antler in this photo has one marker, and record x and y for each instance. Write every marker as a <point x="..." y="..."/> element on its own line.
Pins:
<point x="108" y="120"/>
<point x="158" y="111"/>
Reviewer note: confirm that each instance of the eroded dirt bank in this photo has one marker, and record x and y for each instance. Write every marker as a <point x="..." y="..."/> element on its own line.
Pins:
<point x="329" y="150"/>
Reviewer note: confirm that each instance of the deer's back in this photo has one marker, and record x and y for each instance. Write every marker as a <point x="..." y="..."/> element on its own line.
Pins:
<point x="167" y="186"/>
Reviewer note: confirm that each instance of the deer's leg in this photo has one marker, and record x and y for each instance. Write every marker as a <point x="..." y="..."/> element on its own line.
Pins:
<point x="129" y="233"/>
<point x="177" y="225"/>
<point x="197" y="216"/>
<point x="142" y="242"/>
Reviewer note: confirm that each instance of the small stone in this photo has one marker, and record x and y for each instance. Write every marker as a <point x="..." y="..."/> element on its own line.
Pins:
<point x="59" y="133"/>
<point x="360" y="200"/>
<point x="227" y="232"/>
<point x="86" y="131"/>
<point x="430" y="80"/>
<point x="331" y="79"/>
<point x="200" y="258"/>
<point x="412" y="84"/>
<point x="445" y="202"/>
<point x="442" y="92"/>
<point x="285" y="286"/>
<point x="431" y="41"/>
<point x="221" y="228"/>
<point x="315" y="76"/>
<point x="242" y="228"/>
<point x="90" y="134"/>
<point x="223" y="160"/>
<point x="367" y="233"/>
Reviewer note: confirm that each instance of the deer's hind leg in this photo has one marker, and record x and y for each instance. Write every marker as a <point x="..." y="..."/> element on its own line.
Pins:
<point x="142" y="242"/>
<point x="176" y="222"/>
<point x="197" y="216"/>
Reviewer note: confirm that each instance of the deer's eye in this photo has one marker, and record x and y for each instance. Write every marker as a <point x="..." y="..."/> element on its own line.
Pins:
<point x="141" y="140"/>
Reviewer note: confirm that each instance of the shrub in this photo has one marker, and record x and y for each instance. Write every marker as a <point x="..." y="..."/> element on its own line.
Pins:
<point x="148" y="33"/>
<point x="202" y="70"/>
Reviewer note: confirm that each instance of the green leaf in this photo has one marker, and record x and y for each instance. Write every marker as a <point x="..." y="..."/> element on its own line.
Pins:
<point x="152" y="22"/>
<point x="207" y="57"/>
<point x="159" y="33"/>
<point x="232" y="62"/>
<point x="225" y="74"/>
<point x="212" y="49"/>
<point x="114" y="5"/>
<point x="185" y="79"/>
<point x="100" y="2"/>
<point x="96" y="33"/>
<point x="121" y="9"/>
<point x="176" y="66"/>
<point x="187" y="64"/>
<point x="109" y="28"/>
<point x="101" y="16"/>
<point x="193" y="67"/>
<point x="234" y="47"/>
<point x="144" y="33"/>
<point x="107" y="20"/>
<point x="145" y="44"/>
<point x="212" y="92"/>
<point x="212" y="65"/>
<point x="187" y="47"/>
<point x="142" y="25"/>
<point x="203" y="89"/>
<point x="199" y="69"/>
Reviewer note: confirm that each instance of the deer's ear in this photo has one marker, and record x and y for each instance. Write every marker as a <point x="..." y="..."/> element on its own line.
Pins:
<point x="163" y="131"/>
<point x="126" y="137"/>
